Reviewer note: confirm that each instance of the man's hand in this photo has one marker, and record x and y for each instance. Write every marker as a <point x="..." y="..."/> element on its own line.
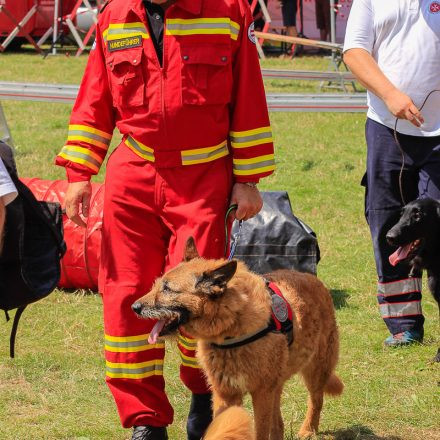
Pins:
<point x="78" y="193"/>
<point x="401" y="106"/>
<point x="248" y="199"/>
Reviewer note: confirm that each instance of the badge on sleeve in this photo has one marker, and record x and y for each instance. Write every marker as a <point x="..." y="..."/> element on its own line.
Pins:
<point x="251" y="33"/>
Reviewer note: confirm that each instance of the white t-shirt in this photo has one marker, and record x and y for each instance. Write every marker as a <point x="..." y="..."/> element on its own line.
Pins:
<point x="8" y="192"/>
<point x="403" y="36"/>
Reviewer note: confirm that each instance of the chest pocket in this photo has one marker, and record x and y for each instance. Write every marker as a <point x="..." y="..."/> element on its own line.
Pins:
<point x="127" y="77"/>
<point x="206" y="74"/>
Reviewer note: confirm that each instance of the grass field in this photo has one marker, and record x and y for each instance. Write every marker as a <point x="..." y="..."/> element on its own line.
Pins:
<point x="55" y="389"/>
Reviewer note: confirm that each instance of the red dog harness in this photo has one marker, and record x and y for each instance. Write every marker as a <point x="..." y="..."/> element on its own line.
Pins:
<point x="281" y="321"/>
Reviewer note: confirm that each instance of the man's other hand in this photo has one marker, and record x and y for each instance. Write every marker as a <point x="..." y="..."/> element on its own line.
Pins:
<point x="401" y="106"/>
<point x="248" y="199"/>
<point x="78" y="193"/>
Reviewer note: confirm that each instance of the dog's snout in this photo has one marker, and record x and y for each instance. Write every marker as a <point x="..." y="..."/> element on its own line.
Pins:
<point x="391" y="237"/>
<point x="137" y="307"/>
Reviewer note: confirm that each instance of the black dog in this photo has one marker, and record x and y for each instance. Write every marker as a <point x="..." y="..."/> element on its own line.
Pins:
<point x="417" y="233"/>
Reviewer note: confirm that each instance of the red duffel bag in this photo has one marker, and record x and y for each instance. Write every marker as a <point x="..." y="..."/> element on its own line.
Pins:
<point x="79" y="267"/>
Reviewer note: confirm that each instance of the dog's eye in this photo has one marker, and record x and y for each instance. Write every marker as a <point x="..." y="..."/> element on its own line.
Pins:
<point x="417" y="216"/>
<point x="166" y="288"/>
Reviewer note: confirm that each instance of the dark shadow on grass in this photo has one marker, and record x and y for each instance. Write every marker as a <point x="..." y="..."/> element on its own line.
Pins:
<point x="339" y="298"/>
<point x="359" y="432"/>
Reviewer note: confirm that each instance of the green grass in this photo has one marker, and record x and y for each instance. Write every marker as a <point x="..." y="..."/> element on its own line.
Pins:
<point x="55" y="389"/>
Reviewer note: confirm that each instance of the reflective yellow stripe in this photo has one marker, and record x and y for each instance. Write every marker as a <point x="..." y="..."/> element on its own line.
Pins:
<point x="134" y="370"/>
<point x="251" y="138"/>
<point x="203" y="155"/>
<point x="140" y="149"/>
<point x="127" y="338"/>
<point x="88" y="140"/>
<point x="188" y="157"/>
<point x="130" y="344"/>
<point x="188" y="344"/>
<point x="254" y="171"/>
<point x="188" y="361"/>
<point x="254" y="160"/>
<point x="81" y="156"/>
<point x="90" y="130"/>
<point x="203" y="26"/>
<point x="116" y="31"/>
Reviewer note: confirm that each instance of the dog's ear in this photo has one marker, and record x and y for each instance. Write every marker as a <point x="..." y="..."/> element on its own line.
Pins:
<point x="190" y="251"/>
<point x="213" y="282"/>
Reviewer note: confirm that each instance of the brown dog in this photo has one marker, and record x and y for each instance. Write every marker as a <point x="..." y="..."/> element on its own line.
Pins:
<point x="215" y="300"/>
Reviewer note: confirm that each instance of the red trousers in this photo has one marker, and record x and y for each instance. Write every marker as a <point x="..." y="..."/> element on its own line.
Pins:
<point x="149" y="213"/>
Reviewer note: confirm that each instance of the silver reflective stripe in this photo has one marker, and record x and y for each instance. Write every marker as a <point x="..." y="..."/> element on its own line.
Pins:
<point x="400" y="287"/>
<point x="79" y="155"/>
<point x="191" y="26"/>
<point x="89" y="135"/>
<point x="133" y="371"/>
<point x="253" y="166"/>
<point x="254" y="137"/>
<point x="141" y="150"/>
<point x="200" y="156"/>
<point x="127" y="344"/>
<point x="186" y="361"/>
<point x="397" y="310"/>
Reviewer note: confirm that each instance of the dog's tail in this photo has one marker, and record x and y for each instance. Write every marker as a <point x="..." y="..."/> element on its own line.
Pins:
<point x="232" y="424"/>
<point x="334" y="386"/>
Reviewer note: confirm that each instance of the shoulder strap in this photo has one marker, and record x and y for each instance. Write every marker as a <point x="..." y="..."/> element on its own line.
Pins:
<point x="17" y="317"/>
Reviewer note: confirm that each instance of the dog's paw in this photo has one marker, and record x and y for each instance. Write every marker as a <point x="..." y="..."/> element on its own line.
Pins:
<point x="437" y="357"/>
<point x="305" y="433"/>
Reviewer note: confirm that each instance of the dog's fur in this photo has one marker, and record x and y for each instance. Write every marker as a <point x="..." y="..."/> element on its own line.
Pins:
<point x="232" y="424"/>
<point x="212" y="300"/>
<point x="419" y="226"/>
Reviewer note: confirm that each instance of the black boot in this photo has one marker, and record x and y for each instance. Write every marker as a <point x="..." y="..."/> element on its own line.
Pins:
<point x="149" y="433"/>
<point x="200" y="416"/>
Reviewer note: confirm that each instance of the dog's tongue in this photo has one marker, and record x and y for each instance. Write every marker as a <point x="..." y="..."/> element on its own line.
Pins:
<point x="401" y="253"/>
<point x="155" y="331"/>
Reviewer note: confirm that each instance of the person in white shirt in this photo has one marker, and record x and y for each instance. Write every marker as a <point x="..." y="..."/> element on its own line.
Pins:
<point x="393" y="48"/>
<point x="8" y="192"/>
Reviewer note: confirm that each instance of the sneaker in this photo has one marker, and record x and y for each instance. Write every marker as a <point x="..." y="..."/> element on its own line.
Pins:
<point x="149" y="433"/>
<point x="405" y="338"/>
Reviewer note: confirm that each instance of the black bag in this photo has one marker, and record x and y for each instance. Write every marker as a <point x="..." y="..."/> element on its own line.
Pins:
<point x="276" y="239"/>
<point x="33" y="247"/>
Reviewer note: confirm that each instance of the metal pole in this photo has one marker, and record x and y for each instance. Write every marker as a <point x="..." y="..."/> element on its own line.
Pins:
<point x="333" y="4"/>
<point x="55" y="27"/>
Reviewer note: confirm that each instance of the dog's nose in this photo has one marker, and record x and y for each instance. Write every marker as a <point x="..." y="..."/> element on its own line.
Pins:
<point x="137" y="307"/>
<point x="390" y="238"/>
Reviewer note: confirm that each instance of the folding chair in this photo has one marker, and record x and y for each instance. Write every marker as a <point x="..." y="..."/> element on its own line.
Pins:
<point x="19" y="25"/>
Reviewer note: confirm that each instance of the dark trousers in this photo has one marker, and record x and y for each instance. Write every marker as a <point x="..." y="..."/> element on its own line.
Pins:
<point x="399" y="297"/>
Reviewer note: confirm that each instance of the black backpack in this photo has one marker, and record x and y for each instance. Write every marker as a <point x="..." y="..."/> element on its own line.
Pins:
<point x="32" y="250"/>
<point x="276" y="239"/>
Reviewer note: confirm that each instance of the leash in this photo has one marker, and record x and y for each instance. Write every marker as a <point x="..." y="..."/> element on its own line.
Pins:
<point x="235" y="237"/>
<point x="401" y="149"/>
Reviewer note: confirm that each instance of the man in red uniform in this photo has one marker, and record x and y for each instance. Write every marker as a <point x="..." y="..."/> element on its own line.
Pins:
<point x="182" y="83"/>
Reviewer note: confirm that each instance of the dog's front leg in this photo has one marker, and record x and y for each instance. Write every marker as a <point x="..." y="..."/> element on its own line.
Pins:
<point x="263" y="401"/>
<point x="222" y="401"/>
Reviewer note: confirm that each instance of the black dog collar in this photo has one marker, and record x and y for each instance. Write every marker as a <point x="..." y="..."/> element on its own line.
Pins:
<point x="281" y="321"/>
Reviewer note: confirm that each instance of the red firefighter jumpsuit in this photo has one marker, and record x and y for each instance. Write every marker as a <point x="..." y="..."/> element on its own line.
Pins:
<point x="190" y="130"/>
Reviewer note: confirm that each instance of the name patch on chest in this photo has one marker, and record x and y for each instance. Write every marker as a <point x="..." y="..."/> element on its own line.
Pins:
<point x="124" y="43"/>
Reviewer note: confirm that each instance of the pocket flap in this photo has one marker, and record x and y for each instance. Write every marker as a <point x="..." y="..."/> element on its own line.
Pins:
<point x="132" y="56"/>
<point x="214" y="54"/>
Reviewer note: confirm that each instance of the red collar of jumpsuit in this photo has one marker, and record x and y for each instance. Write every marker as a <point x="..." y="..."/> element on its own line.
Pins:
<point x="206" y="101"/>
